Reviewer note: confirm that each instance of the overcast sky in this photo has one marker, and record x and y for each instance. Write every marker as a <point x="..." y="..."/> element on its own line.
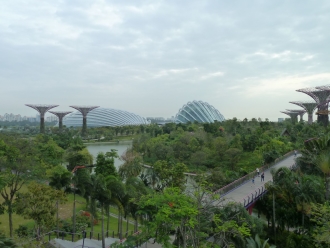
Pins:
<point x="246" y="58"/>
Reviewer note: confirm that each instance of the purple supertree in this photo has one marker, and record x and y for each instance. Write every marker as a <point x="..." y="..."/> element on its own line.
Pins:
<point x="292" y="115"/>
<point x="300" y="112"/>
<point x="309" y="108"/>
<point x="321" y="95"/>
<point x="60" y="115"/>
<point x="42" y="109"/>
<point x="84" y="110"/>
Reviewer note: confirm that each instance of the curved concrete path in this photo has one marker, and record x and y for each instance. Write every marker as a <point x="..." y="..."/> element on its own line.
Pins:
<point x="238" y="194"/>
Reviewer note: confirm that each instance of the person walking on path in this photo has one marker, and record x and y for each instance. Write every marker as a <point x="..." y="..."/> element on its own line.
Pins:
<point x="262" y="177"/>
<point x="295" y="153"/>
<point x="257" y="171"/>
<point x="252" y="181"/>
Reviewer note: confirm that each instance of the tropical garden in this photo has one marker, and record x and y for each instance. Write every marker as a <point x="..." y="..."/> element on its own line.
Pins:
<point x="49" y="185"/>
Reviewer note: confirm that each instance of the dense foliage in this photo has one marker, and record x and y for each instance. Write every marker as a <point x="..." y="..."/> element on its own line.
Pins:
<point x="151" y="187"/>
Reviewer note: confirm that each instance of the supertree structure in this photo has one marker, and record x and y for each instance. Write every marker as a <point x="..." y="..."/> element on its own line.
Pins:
<point x="84" y="110"/>
<point x="300" y="112"/>
<point x="60" y="115"/>
<point x="320" y="94"/>
<point x="292" y="115"/>
<point x="309" y="107"/>
<point x="42" y="109"/>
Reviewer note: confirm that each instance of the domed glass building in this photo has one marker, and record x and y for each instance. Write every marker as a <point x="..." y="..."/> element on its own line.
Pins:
<point x="102" y="117"/>
<point x="198" y="111"/>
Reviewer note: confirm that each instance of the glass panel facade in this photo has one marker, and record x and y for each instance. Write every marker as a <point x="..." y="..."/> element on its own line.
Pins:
<point x="198" y="111"/>
<point x="103" y="117"/>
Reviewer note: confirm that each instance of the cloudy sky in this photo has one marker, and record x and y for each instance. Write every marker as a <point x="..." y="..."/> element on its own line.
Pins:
<point x="246" y="58"/>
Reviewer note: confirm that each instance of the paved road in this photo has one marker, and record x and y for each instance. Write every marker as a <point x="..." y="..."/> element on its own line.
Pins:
<point x="238" y="194"/>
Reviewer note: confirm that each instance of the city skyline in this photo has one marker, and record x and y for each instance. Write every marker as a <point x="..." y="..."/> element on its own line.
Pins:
<point x="244" y="58"/>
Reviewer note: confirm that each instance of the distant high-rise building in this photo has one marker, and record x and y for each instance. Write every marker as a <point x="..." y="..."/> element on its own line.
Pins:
<point x="280" y="119"/>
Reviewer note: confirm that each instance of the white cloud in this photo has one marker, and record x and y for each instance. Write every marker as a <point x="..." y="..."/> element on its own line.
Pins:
<point x="103" y="14"/>
<point x="212" y="75"/>
<point x="282" y="85"/>
<point x="37" y="25"/>
<point x="165" y="73"/>
<point x="284" y="56"/>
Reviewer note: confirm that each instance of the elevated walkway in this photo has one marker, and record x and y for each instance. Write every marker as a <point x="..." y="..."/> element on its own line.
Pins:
<point x="87" y="243"/>
<point x="246" y="192"/>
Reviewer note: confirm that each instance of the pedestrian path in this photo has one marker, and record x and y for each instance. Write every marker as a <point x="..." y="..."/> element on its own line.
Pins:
<point x="244" y="190"/>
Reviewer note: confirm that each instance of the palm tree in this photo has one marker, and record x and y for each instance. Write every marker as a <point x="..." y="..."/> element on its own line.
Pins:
<point x="323" y="163"/>
<point x="118" y="191"/>
<point x="256" y="243"/>
<point x="281" y="177"/>
<point x="59" y="179"/>
<point x="307" y="189"/>
<point x="135" y="189"/>
<point x="92" y="199"/>
<point x="103" y="195"/>
<point x="132" y="166"/>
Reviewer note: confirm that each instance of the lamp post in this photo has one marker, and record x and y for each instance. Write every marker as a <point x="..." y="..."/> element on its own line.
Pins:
<point x="84" y="234"/>
<point x="74" y="197"/>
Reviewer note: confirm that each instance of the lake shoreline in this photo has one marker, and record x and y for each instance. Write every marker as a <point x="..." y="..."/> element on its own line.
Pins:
<point x="107" y="142"/>
<point x="95" y="148"/>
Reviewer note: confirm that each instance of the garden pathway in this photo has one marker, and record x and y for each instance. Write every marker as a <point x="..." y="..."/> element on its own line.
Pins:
<point x="238" y="194"/>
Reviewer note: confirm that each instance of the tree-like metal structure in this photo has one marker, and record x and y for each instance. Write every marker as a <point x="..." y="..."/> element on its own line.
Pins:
<point x="309" y="107"/>
<point x="42" y="109"/>
<point x="292" y="115"/>
<point x="60" y="115"/>
<point x="84" y="110"/>
<point x="300" y="112"/>
<point x="321" y="95"/>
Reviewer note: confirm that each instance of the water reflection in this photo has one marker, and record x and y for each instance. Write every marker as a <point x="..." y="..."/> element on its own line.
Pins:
<point x="95" y="148"/>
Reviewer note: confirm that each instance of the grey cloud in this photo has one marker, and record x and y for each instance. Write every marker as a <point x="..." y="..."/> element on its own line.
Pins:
<point x="151" y="57"/>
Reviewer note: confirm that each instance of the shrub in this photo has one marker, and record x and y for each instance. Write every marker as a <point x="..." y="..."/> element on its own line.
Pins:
<point x="22" y="231"/>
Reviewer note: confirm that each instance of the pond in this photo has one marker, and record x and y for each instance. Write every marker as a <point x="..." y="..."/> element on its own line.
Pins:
<point x="95" y="148"/>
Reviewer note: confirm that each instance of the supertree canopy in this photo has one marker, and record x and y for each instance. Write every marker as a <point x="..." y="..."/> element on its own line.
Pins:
<point x="292" y="115"/>
<point x="42" y="109"/>
<point x="309" y="107"/>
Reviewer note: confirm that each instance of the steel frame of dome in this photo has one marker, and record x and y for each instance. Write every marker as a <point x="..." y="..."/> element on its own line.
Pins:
<point x="198" y="111"/>
<point x="103" y="117"/>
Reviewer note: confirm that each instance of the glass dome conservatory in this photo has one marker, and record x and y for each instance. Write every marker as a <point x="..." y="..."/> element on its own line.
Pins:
<point x="198" y="111"/>
<point x="102" y="117"/>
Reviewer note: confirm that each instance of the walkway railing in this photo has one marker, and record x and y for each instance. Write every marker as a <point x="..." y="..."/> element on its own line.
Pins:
<point x="254" y="195"/>
<point x="69" y="236"/>
<point x="233" y="185"/>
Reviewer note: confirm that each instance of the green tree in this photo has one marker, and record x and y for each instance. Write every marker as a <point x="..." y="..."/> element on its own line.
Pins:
<point x="132" y="165"/>
<point x="101" y="193"/>
<point x="257" y="243"/>
<point x="117" y="189"/>
<point x="60" y="179"/>
<point x="320" y="216"/>
<point x="233" y="155"/>
<point x="77" y="155"/>
<point x="170" y="210"/>
<point x="322" y="162"/>
<point x="170" y="175"/>
<point x="39" y="204"/>
<point x="6" y="242"/>
<point x="105" y="163"/>
<point x="19" y="164"/>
